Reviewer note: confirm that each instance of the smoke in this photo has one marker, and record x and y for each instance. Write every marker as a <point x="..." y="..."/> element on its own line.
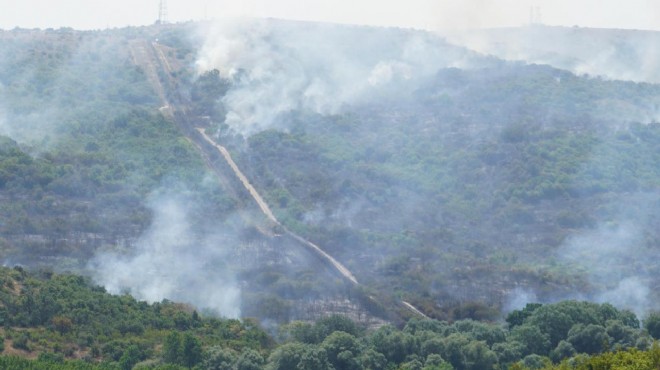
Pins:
<point x="173" y="261"/>
<point x="277" y="67"/>
<point x="632" y="292"/>
<point x="3" y="115"/>
<point x="610" y="53"/>
<point x="57" y="80"/>
<point x="615" y="256"/>
<point x="518" y="298"/>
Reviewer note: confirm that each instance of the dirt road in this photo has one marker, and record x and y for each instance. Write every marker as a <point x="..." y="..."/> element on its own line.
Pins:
<point x="151" y="58"/>
<point x="266" y="210"/>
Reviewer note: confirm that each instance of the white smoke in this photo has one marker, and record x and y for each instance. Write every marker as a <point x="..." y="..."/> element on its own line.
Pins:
<point x="613" y="256"/>
<point x="631" y="292"/>
<point x="4" y="129"/>
<point x="171" y="262"/>
<point x="610" y="53"/>
<point x="281" y="66"/>
<point x="518" y="298"/>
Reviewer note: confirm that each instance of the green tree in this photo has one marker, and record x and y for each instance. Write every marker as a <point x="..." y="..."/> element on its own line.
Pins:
<point x="342" y="350"/>
<point x="563" y="350"/>
<point x="130" y="357"/>
<point x="218" y="358"/>
<point x="330" y="324"/>
<point x="478" y="356"/>
<point x="652" y="324"/>
<point x="250" y="360"/>
<point x="517" y="317"/>
<point x="372" y="360"/>
<point x="623" y="336"/>
<point x="395" y="345"/>
<point x="532" y="338"/>
<point x="172" y="350"/>
<point x="509" y="352"/>
<point x="454" y="346"/>
<point x="314" y="358"/>
<point x="535" y="361"/>
<point x="191" y="352"/>
<point x="287" y="357"/>
<point x="435" y="362"/>
<point x="588" y="339"/>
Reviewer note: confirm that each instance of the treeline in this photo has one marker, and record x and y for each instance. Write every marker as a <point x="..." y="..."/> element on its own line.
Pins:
<point x="68" y="323"/>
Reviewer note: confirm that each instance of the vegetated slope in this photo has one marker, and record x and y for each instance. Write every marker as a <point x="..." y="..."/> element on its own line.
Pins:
<point x="466" y="186"/>
<point x="163" y="77"/>
<point x="89" y="167"/>
<point x="481" y="185"/>
<point x="86" y="147"/>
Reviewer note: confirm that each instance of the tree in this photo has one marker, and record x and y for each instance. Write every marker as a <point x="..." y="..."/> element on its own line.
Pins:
<point x="535" y="361"/>
<point x="509" y="352"/>
<point x="218" y="358"/>
<point x="432" y="346"/>
<point x="287" y="357"/>
<point x="435" y="362"/>
<point x="342" y="350"/>
<point x="589" y="339"/>
<point x="130" y="357"/>
<point x="372" y="360"/>
<point x="564" y="350"/>
<point x="250" y="360"/>
<point x="333" y="323"/>
<point x="623" y="336"/>
<point x="395" y="345"/>
<point x="454" y="346"/>
<point x="532" y="338"/>
<point x="480" y="331"/>
<point x="314" y="358"/>
<point x="517" y="317"/>
<point x="62" y="324"/>
<point x="412" y="365"/>
<point x="302" y="332"/>
<point x="478" y="356"/>
<point x="172" y="349"/>
<point x="552" y="322"/>
<point x="652" y="324"/>
<point x="191" y="351"/>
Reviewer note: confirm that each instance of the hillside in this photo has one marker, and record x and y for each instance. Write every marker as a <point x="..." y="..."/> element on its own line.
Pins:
<point x="493" y="183"/>
<point x="96" y="180"/>
<point x="498" y="180"/>
<point x="459" y="183"/>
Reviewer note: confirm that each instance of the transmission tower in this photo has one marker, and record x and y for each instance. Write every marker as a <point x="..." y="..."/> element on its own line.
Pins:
<point x="162" y="12"/>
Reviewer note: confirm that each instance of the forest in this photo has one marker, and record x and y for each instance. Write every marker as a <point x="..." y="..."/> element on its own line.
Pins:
<point x="63" y="321"/>
<point x="516" y="206"/>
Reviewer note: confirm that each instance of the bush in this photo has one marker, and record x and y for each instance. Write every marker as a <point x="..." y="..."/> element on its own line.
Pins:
<point x="21" y="341"/>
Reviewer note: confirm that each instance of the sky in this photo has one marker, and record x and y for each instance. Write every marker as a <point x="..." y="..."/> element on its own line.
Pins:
<point x="423" y="14"/>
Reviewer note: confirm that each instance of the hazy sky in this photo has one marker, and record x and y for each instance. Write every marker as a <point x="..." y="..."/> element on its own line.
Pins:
<point x="429" y="14"/>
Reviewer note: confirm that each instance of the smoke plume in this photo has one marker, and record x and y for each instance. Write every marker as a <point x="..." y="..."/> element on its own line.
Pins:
<point x="172" y="261"/>
<point x="277" y="67"/>
<point x="610" y="53"/>
<point x="615" y="256"/>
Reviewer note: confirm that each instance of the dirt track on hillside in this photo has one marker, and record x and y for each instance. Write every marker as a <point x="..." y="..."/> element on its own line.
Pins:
<point x="151" y="58"/>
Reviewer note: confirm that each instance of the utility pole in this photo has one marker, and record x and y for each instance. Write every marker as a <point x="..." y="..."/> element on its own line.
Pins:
<point x="162" y="12"/>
